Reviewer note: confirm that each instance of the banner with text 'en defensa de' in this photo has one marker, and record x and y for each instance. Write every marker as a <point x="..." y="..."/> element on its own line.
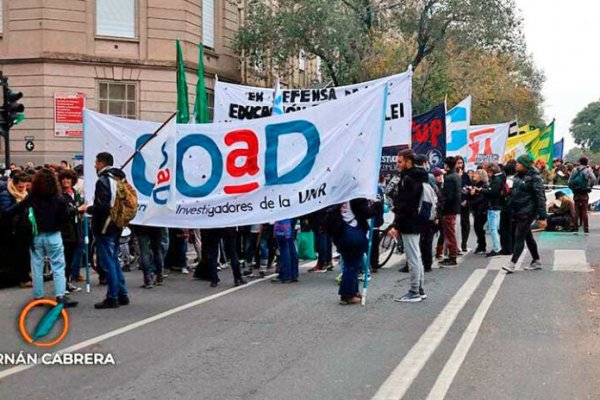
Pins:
<point x="239" y="102"/>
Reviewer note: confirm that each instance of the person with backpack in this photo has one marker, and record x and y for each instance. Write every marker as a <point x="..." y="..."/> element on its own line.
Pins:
<point x="528" y="202"/>
<point x="409" y="223"/>
<point x="429" y="226"/>
<point x="452" y="207"/>
<point x="106" y="230"/>
<point x="581" y="182"/>
<point x="496" y="194"/>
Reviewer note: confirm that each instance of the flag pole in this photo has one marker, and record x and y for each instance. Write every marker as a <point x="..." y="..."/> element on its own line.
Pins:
<point x="147" y="141"/>
<point x="367" y="269"/>
<point x="86" y="253"/>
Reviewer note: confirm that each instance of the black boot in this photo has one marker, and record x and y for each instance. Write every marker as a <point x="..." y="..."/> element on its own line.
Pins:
<point x="107" y="303"/>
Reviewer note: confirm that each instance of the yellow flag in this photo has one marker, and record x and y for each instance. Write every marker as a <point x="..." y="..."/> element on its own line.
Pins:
<point x="543" y="147"/>
<point x="526" y="136"/>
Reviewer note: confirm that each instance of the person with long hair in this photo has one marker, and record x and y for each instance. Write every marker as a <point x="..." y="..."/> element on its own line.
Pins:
<point x="71" y="229"/>
<point x="15" y="231"/>
<point x="47" y="211"/>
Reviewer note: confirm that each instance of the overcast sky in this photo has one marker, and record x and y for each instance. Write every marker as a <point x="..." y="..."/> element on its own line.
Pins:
<point x="563" y="37"/>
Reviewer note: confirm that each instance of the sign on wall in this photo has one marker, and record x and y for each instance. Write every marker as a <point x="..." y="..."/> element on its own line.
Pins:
<point x="68" y="114"/>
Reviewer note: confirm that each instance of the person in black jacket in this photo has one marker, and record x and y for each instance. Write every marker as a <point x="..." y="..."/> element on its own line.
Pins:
<point x="496" y="194"/>
<point x="15" y="231"/>
<point x="353" y="245"/>
<point x="465" y="220"/>
<point x="47" y="211"/>
<point x="478" y="204"/>
<point x="71" y="229"/>
<point x="452" y="201"/>
<point x="528" y="202"/>
<point x="506" y="227"/>
<point x="408" y="222"/>
<point x="106" y="233"/>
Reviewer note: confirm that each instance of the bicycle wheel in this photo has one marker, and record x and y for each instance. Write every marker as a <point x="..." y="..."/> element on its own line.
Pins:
<point x="387" y="245"/>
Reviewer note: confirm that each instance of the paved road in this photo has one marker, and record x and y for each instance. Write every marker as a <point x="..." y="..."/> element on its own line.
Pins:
<point x="480" y="335"/>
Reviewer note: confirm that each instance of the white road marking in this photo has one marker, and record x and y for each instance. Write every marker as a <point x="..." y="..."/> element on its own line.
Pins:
<point x="138" y="324"/>
<point x="496" y="263"/>
<point x="446" y="377"/>
<point x="397" y="384"/>
<point x="570" y="261"/>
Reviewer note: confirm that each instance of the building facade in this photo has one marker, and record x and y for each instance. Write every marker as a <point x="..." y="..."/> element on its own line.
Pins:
<point x="117" y="54"/>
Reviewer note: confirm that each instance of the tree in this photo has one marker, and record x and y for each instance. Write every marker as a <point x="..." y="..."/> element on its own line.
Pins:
<point x="586" y="127"/>
<point x="576" y="153"/>
<point x="345" y="33"/>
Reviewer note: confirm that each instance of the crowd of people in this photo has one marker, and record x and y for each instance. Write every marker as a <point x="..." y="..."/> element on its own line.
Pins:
<point x="42" y="229"/>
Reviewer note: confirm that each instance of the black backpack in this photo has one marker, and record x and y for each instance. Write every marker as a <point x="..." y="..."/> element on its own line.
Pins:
<point x="332" y="222"/>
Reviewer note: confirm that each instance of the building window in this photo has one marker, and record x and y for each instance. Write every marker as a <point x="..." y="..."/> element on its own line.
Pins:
<point x="118" y="99"/>
<point x="208" y="23"/>
<point x="302" y="60"/>
<point x="210" y="98"/>
<point x="115" y="18"/>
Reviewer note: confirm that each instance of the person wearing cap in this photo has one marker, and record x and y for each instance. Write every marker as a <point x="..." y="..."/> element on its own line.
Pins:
<point x="562" y="216"/>
<point x="528" y="203"/>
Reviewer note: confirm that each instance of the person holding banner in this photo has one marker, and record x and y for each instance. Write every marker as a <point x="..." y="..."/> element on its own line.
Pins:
<point x="408" y="223"/>
<point x="353" y="245"/>
<point x="528" y="202"/>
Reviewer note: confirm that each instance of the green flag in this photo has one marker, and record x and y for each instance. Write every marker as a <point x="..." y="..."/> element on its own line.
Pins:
<point x="201" y="113"/>
<point x="183" y="109"/>
<point x="543" y="147"/>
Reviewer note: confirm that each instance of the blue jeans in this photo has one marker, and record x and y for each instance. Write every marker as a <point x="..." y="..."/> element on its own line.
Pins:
<point x="48" y="245"/>
<point x="165" y="242"/>
<point x="324" y="248"/>
<point x="493" y="221"/>
<point x="288" y="259"/>
<point x="108" y="255"/>
<point x="352" y="245"/>
<point x="251" y="246"/>
<point x="151" y="255"/>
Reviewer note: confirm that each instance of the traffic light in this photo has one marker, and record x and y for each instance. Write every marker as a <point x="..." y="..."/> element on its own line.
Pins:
<point x="11" y="113"/>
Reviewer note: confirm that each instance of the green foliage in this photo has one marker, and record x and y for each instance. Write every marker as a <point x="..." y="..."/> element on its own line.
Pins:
<point x="576" y="153"/>
<point x="586" y="127"/>
<point x="456" y="47"/>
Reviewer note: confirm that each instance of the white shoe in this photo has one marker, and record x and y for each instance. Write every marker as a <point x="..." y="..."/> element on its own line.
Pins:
<point x="185" y="271"/>
<point x="509" y="268"/>
<point x="535" y="265"/>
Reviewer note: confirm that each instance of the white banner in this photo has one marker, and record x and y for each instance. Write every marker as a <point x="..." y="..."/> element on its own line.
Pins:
<point x="487" y="143"/>
<point x="238" y="102"/>
<point x="458" y="121"/>
<point x="246" y="172"/>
